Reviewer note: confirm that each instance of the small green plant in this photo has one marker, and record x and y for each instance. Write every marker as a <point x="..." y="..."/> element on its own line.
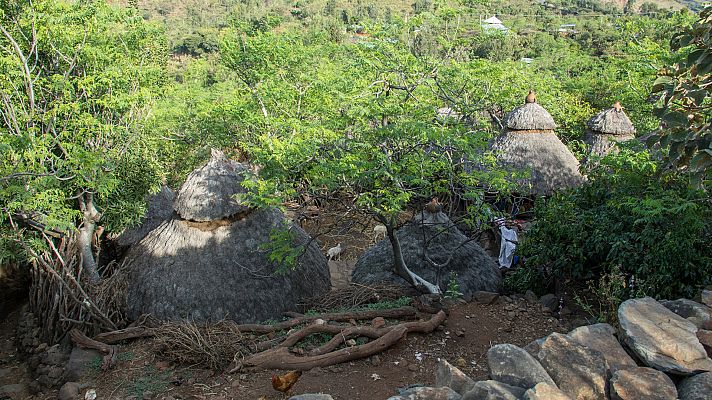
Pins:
<point x="150" y="380"/>
<point x="604" y="296"/>
<point x="388" y="304"/>
<point x="453" y="287"/>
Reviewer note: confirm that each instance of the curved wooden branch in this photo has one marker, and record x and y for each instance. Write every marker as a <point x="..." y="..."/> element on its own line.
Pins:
<point x="281" y="358"/>
<point x="357" y="315"/>
<point x="111" y="352"/>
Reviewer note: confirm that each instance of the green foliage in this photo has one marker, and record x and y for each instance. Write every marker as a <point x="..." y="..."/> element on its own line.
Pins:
<point x="686" y="111"/>
<point x="604" y="296"/>
<point x="150" y="380"/>
<point x="629" y="217"/>
<point x="73" y="122"/>
<point x="282" y="250"/>
<point x="453" y="287"/>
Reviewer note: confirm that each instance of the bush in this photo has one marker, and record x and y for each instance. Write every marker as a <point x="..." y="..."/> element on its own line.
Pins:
<point x="629" y="217"/>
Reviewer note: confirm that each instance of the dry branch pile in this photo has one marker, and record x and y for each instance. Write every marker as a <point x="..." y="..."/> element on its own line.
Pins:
<point x="354" y="296"/>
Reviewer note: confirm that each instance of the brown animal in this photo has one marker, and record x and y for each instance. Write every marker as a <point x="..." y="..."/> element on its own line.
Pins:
<point x="531" y="97"/>
<point x="617" y="106"/>
<point x="284" y="383"/>
<point x="434" y="206"/>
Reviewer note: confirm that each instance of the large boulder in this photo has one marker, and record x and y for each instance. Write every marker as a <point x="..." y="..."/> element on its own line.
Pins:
<point x="698" y="314"/>
<point x="662" y="339"/>
<point x="578" y="371"/>
<point x="514" y="366"/>
<point x="202" y="269"/>
<point x="698" y="387"/>
<point x="427" y="393"/>
<point x="493" y="390"/>
<point x="545" y="391"/>
<point x="600" y="337"/>
<point x="447" y="375"/>
<point x="468" y="262"/>
<point x="642" y="383"/>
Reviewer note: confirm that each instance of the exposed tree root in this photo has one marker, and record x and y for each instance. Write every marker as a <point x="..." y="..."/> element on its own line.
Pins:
<point x="280" y="356"/>
<point x="110" y="351"/>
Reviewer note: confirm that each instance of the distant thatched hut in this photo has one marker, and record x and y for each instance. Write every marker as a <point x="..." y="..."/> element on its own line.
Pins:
<point x="607" y="128"/>
<point x="529" y="143"/>
<point x="208" y="261"/>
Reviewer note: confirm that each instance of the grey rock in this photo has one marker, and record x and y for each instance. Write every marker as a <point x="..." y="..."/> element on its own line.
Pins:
<point x="530" y="297"/>
<point x="600" y="337"/>
<point x="545" y="391"/>
<point x="427" y="393"/>
<point x="514" y="366"/>
<point x="662" y="339"/>
<point x="578" y="371"/>
<point x="474" y="268"/>
<point x="484" y="297"/>
<point x="534" y="347"/>
<point x="312" y="396"/>
<point x="493" y="390"/>
<point x="698" y="387"/>
<point x="698" y="314"/>
<point x="642" y="383"/>
<point x="81" y="363"/>
<point x="706" y="297"/>
<point x="13" y="388"/>
<point x="69" y="391"/>
<point x="550" y="301"/>
<point x="54" y="356"/>
<point x="449" y="376"/>
<point x="4" y="372"/>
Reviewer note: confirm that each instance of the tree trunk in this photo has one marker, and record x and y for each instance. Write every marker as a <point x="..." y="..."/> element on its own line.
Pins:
<point x="86" y="234"/>
<point x="402" y="269"/>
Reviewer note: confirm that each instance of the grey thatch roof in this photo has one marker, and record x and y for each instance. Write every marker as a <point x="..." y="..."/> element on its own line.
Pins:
<point x="530" y="116"/>
<point x="612" y="121"/>
<point x="208" y="192"/>
<point x="551" y="163"/>
<point x="160" y="208"/>
<point x="601" y="144"/>
<point x="472" y="267"/>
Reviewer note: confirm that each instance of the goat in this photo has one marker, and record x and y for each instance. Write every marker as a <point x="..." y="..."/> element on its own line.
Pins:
<point x="379" y="231"/>
<point x="334" y="252"/>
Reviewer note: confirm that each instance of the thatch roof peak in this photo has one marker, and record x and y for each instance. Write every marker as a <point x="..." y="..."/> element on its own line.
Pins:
<point x="208" y="193"/>
<point x="612" y="121"/>
<point x="530" y="116"/>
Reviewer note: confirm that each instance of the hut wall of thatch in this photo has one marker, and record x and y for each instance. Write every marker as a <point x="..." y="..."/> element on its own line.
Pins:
<point x="606" y="128"/>
<point x="208" y="261"/>
<point x="160" y="208"/>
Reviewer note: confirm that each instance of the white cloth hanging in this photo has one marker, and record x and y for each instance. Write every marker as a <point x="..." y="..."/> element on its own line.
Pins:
<point x="508" y="246"/>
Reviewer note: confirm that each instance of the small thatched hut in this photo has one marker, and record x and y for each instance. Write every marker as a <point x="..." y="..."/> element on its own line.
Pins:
<point x="434" y="235"/>
<point x="208" y="261"/>
<point x="529" y="143"/>
<point x="607" y="128"/>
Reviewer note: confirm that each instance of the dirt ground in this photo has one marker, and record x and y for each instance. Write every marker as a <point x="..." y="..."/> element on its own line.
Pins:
<point x="469" y="331"/>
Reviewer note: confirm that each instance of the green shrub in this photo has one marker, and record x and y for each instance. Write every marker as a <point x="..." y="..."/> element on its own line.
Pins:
<point x="630" y="217"/>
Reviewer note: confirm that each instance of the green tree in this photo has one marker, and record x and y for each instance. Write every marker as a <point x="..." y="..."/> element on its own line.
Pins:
<point x="76" y="81"/>
<point x="686" y="110"/>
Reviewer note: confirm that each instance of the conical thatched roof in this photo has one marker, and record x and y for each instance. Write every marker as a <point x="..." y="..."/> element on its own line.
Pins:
<point x="612" y="121"/>
<point x="529" y="143"/>
<point x="605" y="129"/>
<point x="530" y="116"/>
<point x="208" y="192"/>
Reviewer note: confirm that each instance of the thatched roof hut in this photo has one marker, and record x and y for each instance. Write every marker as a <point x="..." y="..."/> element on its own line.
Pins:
<point x="434" y="235"/>
<point x="528" y="143"/>
<point x="607" y="128"/>
<point x="208" y="261"/>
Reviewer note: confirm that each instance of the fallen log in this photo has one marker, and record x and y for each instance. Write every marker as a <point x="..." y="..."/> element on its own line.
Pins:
<point x="124" y="334"/>
<point x="345" y="316"/>
<point x="281" y="358"/>
<point x="111" y="352"/>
